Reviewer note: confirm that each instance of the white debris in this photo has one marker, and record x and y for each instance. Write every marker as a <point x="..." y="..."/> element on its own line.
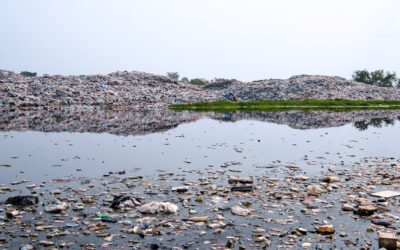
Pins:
<point x="386" y="194"/>
<point x="241" y="211"/>
<point x="159" y="207"/>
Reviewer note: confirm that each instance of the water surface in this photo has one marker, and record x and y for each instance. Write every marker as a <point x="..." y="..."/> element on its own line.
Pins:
<point x="144" y="142"/>
<point x="145" y="153"/>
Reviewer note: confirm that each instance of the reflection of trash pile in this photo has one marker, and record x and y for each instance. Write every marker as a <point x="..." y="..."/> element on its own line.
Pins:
<point x="317" y="119"/>
<point x="151" y="119"/>
<point x="132" y="121"/>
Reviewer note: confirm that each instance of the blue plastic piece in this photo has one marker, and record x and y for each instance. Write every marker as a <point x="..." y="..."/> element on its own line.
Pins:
<point x="107" y="219"/>
<point x="144" y="225"/>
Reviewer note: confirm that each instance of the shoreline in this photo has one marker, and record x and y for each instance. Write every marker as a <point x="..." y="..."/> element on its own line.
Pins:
<point x="305" y="105"/>
<point x="139" y="88"/>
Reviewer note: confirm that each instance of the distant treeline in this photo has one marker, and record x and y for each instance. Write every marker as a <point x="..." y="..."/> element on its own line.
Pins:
<point x="28" y="74"/>
<point x="378" y="78"/>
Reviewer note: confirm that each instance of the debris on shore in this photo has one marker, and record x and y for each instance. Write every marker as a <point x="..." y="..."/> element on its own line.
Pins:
<point x="351" y="206"/>
<point x="137" y="89"/>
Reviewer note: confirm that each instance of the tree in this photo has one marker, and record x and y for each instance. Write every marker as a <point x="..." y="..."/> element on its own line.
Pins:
<point x="185" y="79"/>
<point x="28" y="74"/>
<point x="362" y="76"/>
<point x="377" y="78"/>
<point x="173" y="75"/>
<point x="199" y="81"/>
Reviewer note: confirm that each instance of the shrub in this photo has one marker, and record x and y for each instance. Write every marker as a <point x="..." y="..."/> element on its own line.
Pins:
<point x="198" y="81"/>
<point x="377" y="78"/>
<point x="28" y="74"/>
<point x="362" y="76"/>
<point x="173" y="75"/>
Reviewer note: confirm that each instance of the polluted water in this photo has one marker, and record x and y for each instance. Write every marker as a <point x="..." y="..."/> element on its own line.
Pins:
<point x="208" y="181"/>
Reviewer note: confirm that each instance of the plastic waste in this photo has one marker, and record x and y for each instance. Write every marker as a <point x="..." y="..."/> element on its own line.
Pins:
<point x="117" y="200"/>
<point x="108" y="219"/>
<point x="102" y="215"/>
<point x="240" y="211"/>
<point x="381" y="223"/>
<point x="56" y="207"/>
<point x="22" y="200"/>
<point x="159" y="207"/>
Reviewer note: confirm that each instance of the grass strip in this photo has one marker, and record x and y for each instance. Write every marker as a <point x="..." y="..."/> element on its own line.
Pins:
<point x="286" y="105"/>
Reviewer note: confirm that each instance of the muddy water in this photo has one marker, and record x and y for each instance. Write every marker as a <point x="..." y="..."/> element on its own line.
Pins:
<point x="202" y="154"/>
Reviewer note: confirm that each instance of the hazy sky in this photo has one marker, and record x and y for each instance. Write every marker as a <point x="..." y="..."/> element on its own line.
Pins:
<point x="247" y="39"/>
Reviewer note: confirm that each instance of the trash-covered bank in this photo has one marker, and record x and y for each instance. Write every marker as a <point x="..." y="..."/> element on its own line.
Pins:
<point x="125" y="88"/>
<point x="220" y="206"/>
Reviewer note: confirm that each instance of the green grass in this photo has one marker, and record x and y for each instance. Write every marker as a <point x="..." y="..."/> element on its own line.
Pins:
<point x="285" y="105"/>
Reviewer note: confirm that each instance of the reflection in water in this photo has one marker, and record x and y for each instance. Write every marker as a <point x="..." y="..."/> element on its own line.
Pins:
<point x="133" y="121"/>
<point x="144" y="120"/>
<point x="316" y="119"/>
<point x="375" y="122"/>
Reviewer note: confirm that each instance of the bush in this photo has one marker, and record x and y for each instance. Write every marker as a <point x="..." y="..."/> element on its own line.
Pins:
<point x="198" y="81"/>
<point x="377" y="78"/>
<point x="362" y="76"/>
<point x="173" y="75"/>
<point x="185" y="79"/>
<point x="28" y="74"/>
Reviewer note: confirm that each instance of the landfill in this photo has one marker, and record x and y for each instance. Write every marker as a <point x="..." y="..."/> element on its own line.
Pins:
<point x="344" y="205"/>
<point x="125" y="88"/>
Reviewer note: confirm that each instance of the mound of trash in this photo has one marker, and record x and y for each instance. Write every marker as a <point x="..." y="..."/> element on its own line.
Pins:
<point x="138" y="89"/>
<point x="315" y="87"/>
<point x="115" y="89"/>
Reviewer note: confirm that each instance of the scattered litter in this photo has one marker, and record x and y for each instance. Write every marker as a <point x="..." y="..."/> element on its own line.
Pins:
<point x="386" y="194"/>
<point x="159" y="207"/>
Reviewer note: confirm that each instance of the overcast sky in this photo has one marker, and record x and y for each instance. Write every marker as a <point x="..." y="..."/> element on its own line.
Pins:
<point x="247" y="39"/>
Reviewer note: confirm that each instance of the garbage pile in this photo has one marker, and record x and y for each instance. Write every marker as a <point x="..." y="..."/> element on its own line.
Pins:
<point x="311" y="87"/>
<point x="137" y="89"/>
<point x="115" y="89"/>
<point x="221" y="84"/>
